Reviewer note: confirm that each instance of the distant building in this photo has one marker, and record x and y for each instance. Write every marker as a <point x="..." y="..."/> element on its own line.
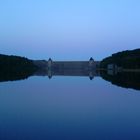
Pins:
<point x="91" y="62"/>
<point x="112" y="67"/>
<point x="91" y="59"/>
<point x="50" y="63"/>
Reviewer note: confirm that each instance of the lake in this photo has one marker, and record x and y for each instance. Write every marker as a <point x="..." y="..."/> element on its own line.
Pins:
<point x="68" y="108"/>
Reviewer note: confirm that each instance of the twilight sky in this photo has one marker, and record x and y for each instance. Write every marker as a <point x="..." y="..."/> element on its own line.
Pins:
<point x="68" y="29"/>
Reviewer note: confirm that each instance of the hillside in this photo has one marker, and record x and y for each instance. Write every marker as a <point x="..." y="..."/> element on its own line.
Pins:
<point x="15" y="67"/>
<point x="126" y="60"/>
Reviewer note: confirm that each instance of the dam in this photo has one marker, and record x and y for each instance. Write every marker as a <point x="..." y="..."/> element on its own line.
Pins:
<point x="69" y="68"/>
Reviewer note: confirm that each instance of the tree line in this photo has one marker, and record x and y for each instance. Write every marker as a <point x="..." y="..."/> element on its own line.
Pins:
<point x="126" y="59"/>
<point x="15" y="67"/>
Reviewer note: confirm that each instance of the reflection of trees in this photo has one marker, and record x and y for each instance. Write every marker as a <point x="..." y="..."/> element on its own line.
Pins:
<point x="123" y="79"/>
<point x="15" y="68"/>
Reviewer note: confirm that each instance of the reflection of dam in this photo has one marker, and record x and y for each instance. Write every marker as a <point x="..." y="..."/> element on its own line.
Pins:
<point x="68" y="72"/>
<point x="70" y="68"/>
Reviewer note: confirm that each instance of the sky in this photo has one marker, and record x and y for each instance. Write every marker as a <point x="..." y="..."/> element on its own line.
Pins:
<point x="68" y="29"/>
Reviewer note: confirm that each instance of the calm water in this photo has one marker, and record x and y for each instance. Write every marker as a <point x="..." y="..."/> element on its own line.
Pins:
<point x="68" y="108"/>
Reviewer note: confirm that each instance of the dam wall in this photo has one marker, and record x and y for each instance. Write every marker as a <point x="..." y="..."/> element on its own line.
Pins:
<point x="70" y="65"/>
<point x="68" y="68"/>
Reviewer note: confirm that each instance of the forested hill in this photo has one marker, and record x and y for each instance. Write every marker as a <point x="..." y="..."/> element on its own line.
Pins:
<point x="125" y="59"/>
<point x="15" y="67"/>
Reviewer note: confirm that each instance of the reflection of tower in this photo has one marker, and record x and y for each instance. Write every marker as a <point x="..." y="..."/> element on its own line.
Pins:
<point x="50" y="68"/>
<point x="50" y="74"/>
<point x="91" y="75"/>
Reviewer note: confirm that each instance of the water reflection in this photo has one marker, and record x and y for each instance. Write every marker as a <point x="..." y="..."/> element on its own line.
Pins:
<point x="122" y="79"/>
<point x="8" y="75"/>
<point x="68" y="72"/>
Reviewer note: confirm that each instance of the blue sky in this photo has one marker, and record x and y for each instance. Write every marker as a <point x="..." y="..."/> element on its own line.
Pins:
<point x="68" y="29"/>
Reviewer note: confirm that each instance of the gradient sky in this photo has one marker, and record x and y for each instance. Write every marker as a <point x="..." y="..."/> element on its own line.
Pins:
<point x="68" y="29"/>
